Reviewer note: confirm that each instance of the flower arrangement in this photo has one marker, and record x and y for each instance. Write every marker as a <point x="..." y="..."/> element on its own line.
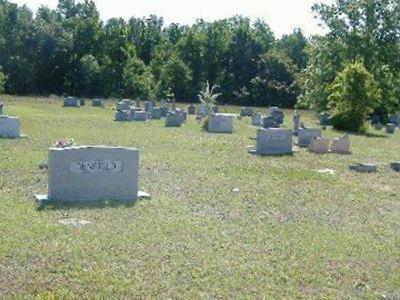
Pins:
<point x="64" y="142"/>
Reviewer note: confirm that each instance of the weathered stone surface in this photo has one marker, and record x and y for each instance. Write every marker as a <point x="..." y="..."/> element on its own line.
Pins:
<point x="305" y="136"/>
<point x="390" y="128"/>
<point x="97" y="103"/>
<point x="269" y="122"/>
<point x="174" y="119"/>
<point x="156" y="113"/>
<point x="341" y="145"/>
<point x="364" y="168"/>
<point x="149" y="106"/>
<point x="125" y="115"/>
<point x="201" y="110"/>
<point x="124" y="104"/>
<point x="10" y="127"/>
<point x="274" y="141"/>
<point x="93" y="173"/>
<point x="140" y="115"/>
<point x="71" y="102"/>
<point x="394" y="119"/>
<point x="278" y="116"/>
<point x="191" y="109"/>
<point x="319" y="145"/>
<point x="257" y="119"/>
<point x="220" y="123"/>
<point x="246" y="112"/>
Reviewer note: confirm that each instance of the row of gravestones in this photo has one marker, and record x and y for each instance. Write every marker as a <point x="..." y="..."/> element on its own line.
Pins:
<point x="75" y="102"/>
<point x="394" y="122"/>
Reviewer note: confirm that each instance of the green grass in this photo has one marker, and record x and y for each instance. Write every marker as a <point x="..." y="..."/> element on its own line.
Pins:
<point x="290" y="232"/>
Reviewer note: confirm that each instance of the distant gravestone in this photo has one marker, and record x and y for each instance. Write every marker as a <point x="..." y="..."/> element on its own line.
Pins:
<point x="82" y="102"/>
<point x="378" y="126"/>
<point x="324" y="119"/>
<point x="341" y="145"/>
<point x="220" y="123"/>
<point x="1" y="108"/>
<point x="174" y="119"/>
<point x="305" y="136"/>
<point x="156" y="113"/>
<point x="124" y="104"/>
<point x="394" y="119"/>
<point x="390" y="128"/>
<point x="123" y="115"/>
<point x="375" y="119"/>
<point x="71" y="102"/>
<point x="97" y="103"/>
<point x="274" y="141"/>
<point x="10" y="127"/>
<point x="246" y="112"/>
<point x="93" y="173"/>
<point x="140" y="115"/>
<point x="215" y="109"/>
<point x="201" y="110"/>
<point x="296" y="123"/>
<point x="149" y="106"/>
<point x="319" y="145"/>
<point x="257" y="119"/>
<point x="278" y="116"/>
<point x="191" y="109"/>
<point x="269" y="122"/>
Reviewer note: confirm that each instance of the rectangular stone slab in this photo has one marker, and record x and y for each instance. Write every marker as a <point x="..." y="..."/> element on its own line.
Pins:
<point x="10" y="127"/>
<point x="274" y="141"/>
<point x="93" y="173"/>
<point x="220" y="123"/>
<point x="305" y="135"/>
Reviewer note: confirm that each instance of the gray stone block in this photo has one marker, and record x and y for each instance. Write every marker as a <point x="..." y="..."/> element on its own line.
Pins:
<point x="140" y="115"/>
<point x="156" y="113"/>
<point x="97" y="103"/>
<point x="257" y="119"/>
<point x="93" y="173"/>
<point x="220" y="123"/>
<point x="274" y="141"/>
<point x="191" y="109"/>
<point x="390" y="128"/>
<point x="395" y="166"/>
<point x="10" y="127"/>
<point x="246" y="112"/>
<point x="174" y="119"/>
<point x="306" y="135"/>
<point x="269" y="122"/>
<point x="364" y="168"/>
<point x="71" y="102"/>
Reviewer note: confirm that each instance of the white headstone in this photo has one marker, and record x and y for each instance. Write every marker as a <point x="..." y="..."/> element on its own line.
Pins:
<point x="10" y="127"/>
<point x="220" y="123"/>
<point x="93" y="173"/>
<point x="274" y="141"/>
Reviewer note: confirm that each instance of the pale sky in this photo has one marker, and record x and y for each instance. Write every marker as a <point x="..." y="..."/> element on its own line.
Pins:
<point x="282" y="15"/>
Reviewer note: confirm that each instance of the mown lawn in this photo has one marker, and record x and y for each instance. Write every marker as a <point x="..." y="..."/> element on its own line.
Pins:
<point x="290" y="232"/>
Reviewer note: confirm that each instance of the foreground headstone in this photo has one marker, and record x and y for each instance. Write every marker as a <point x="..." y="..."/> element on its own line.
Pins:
<point x="71" y="102"/>
<point x="257" y="119"/>
<point x="390" y="128"/>
<point x="93" y="173"/>
<point x="319" y="146"/>
<point x="220" y="123"/>
<point x="191" y="109"/>
<point x="10" y="127"/>
<point x="274" y="141"/>
<point x="305" y="136"/>
<point x="97" y="103"/>
<point x="341" y="145"/>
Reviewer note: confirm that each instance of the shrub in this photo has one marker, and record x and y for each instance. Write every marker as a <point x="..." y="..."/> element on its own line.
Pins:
<point x="353" y="95"/>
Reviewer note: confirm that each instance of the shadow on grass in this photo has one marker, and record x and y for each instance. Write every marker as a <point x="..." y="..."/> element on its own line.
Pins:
<point x="366" y="134"/>
<point x="61" y="205"/>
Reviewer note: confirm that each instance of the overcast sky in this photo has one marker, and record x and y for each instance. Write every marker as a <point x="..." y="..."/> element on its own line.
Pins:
<point x="281" y="15"/>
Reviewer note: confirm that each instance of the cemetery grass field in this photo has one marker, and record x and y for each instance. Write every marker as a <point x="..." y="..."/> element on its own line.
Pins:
<point x="221" y="223"/>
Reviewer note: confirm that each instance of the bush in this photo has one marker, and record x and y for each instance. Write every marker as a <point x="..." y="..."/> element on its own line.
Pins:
<point x="353" y="95"/>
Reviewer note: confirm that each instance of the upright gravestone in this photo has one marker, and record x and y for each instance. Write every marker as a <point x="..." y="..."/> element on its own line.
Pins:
<point x="82" y="102"/>
<point x="220" y="123"/>
<point x="124" y="104"/>
<point x="215" y="109"/>
<point x="274" y="141"/>
<point x="341" y="145"/>
<point x="394" y="119"/>
<point x="10" y="127"/>
<point x="390" y="128"/>
<point x="93" y="173"/>
<point x="305" y="136"/>
<point x="97" y="103"/>
<point x="156" y="113"/>
<point x="202" y="110"/>
<point x="278" y="116"/>
<point x="149" y="106"/>
<point x="191" y="109"/>
<point x="324" y="119"/>
<point x="269" y="122"/>
<point x="140" y="115"/>
<point x="71" y="102"/>
<point x="257" y="119"/>
<point x="319" y="145"/>
<point x="174" y="118"/>
<point x="296" y="123"/>
<point x="246" y="112"/>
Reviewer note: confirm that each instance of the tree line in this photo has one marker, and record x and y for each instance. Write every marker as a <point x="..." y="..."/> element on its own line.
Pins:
<point x="70" y="50"/>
